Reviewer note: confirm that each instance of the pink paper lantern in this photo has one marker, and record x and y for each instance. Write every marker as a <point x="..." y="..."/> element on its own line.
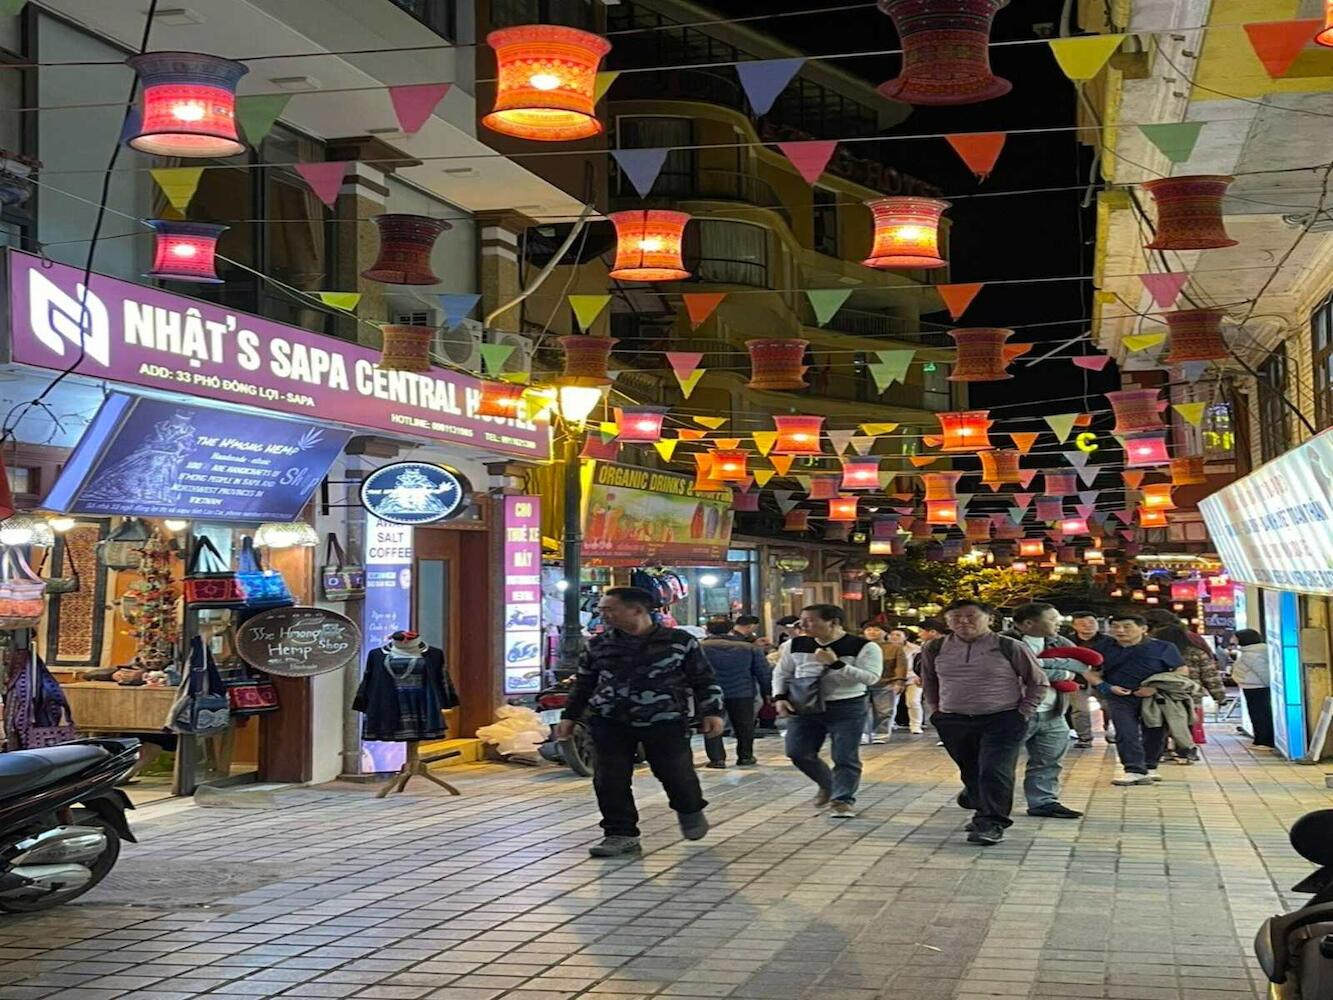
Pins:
<point x="860" y="473"/>
<point x="797" y="434"/>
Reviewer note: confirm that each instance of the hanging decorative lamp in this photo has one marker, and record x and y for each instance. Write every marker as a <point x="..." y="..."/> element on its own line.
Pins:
<point x="1070" y="526"/>
<point x="823" y="487"/>
<point x="965" y="430"/>
<point x="842" y="509"/>
<point x="983" y="355"/>
<point x="941" y="512"/>
<point x="1006" y="527"/>
<point x="1187" y="470"/>
<point x="729" y="466"/>
<point x="777" y="364"/>
<point x="500" y="399"/>
<point x="853" y="580"/>
<point x="1152" y="518"/>
<point x="185" y="251"/>
<point x="586" y="358"/>
<point x="906" y="233"/>
<point x="1148" y="450"/>
<point x="977" y="528"/>
<point x="1158" y="497"/>
<point x="941" y="485"/>
<point x="797" y="434"/>
<point x="922" y="528"/>
<point x="546" y="79"/>
<point x="1050" y="508"/>
<point x="744" y="502"/>
<point x="189" y="104"/>
<point x="285" y="535"/>
<point x="1000" y="467"/>
<point x="1189" y="212"/>
<point x="1196" y="335"/>
<point x="1032" y="547"/>
<point x="946" y="51"/>
<point x="406" y="348"/>
<point x="1325" y="36"/>
<point x="640" y="424"/>
<point x="649" y="244"/>
<point x="952" y="548"/>
<point x="881" y="530"/>
<point x="406" y="243"/>
<point x="704" y="479"/>
<point x="1137" y="411"/>
<point x="796" y="520"/>
<point x="1060" y="484"/>
<point x="860" y="473"/>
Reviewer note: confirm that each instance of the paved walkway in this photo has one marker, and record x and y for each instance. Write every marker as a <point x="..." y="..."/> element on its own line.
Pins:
<point x="1155" y="895"/>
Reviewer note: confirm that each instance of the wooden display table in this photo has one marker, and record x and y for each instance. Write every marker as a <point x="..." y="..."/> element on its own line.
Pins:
<point x="107" y="707"/>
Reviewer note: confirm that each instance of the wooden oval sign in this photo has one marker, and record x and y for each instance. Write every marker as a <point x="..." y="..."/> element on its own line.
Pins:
<point x="298" y="642"/>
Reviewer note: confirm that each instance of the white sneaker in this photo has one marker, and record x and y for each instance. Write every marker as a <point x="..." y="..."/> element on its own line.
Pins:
<point x="1154" y="777"/>
<point x="915" y="732"/>
<point x="879" y="739"/>
<point x="1130" y="778"/>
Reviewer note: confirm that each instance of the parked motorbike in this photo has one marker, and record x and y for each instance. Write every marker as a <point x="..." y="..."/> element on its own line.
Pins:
<point x="1295" y="949"/>
<point x="61" y="820"/>
<point x="576" y="752"/>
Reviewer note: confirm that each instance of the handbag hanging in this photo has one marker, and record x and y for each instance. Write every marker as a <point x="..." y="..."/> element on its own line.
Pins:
<point x="22" y="592"/>
<point x="252" y="696"/>
<point x="37" y="713"/>
<point x="123" y="548"/>
<point x="805" y="695"/>
<point x="202" y="707"/>
<point x="341" y="580"/>
<point x="264" y="588"/>
<point x="64" y="584"/>
<point x="209" y="581"/>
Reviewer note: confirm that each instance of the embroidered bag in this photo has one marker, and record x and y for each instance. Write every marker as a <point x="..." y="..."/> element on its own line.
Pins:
<point x="37" y="713"/>
<point x="201" y="708"/>
<point x="341" y="580"/>
<point x="22" y="592"/>
<point x="264" y="588"/>
<point x="208" y="580"/>
<point x="123" y="548"/>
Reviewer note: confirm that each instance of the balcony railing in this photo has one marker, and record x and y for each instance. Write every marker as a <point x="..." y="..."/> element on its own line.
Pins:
<point x="441" y="16"/>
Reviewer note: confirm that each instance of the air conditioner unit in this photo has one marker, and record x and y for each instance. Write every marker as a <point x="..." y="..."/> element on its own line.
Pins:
<point x="461" y="346"/>
<point x="520" y="358"/>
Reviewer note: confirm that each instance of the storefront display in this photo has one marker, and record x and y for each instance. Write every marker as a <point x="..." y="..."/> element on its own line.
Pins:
<point x="522" y="595"/>
<point x="638" y="517"/>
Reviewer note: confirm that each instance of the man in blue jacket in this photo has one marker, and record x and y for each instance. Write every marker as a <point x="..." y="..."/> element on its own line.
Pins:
<point x="741" y="671"/>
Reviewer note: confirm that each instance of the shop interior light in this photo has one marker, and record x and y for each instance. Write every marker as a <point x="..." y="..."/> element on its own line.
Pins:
<point x="27" y="529"/>
<point x="546" y="78"/>
<point x="175" y="525"/>
<point x="709" y="580"/>
<point x="61" y="524"/>
<point x="185" y="251"/>
<point x="189" y="105"/>
<point x="286" y="535"/>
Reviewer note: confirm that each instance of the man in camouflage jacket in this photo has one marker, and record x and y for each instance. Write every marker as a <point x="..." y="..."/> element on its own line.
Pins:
<point x="634" y="686"/>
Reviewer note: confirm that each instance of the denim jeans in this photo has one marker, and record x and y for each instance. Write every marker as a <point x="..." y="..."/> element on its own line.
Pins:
<point x="667" y="747"/>
<point x="1080" y="714"/>
<point x="1047" y="743"/>
<point x="842" y="722"/>
<point x="741" y="713"/>
<point x="883" y="707"/>
<point x="985" y="748"/>
<point x="1139" y="747"/>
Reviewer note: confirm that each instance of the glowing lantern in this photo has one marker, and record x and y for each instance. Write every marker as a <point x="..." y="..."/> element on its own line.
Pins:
<point x="586" y="360"/>
<point x="1000" y="467"/>
<point x="906" y="233"/>
<point x="1136" y="410"/>
<point x="1196" y="335"/>
<point x="1189" y="212"/>
<point x="977" y="529"/>
<point x="983" y="354"/>
<point x="1185" y="590"/>
<point x="946" y="51"/>
<point x="704" y="480"/>
<point x="1094" y="557"/>
<point x="1152" y="518"/>
<point x="649" y="244"/>
<point x="406" y="243"/>
<point x="500" y="399"/>
<point x="796" y="520"/>
<point x="860" y="473"/>
<point x="823" y="487"/>
<point x="1146" y="451"/>
<point x="1325" y="37"/>
<point x="941" y="512"/>
<point x="406" y="348"/>
<point x="1020" y="566"/>
<point x="545" y="82"/>
<point x="842" y="509"/>
<point x="1050" y="508"/>
<point x="640" y="424"/>
<point x="965" y="430"/>
<point x="1073" y="526"/>
<point x="1032" y="547"/>
<point x="1158" y="497"/>
<point x="1187" y="470"/>
<point x="729" y="466"/>
<point x="852" y="584"/>
<point x="797" y="435"/>
<point x="883" y="548"/>
<point x="941" y="485"/>
<point x="777" y="364"/>
<point x="1060" y="484"/>
<point x="185" y="251"/>
<point x="189" y="104"/>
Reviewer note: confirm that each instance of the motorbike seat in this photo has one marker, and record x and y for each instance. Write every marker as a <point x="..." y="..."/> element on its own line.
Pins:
<point x="23" y="771"/>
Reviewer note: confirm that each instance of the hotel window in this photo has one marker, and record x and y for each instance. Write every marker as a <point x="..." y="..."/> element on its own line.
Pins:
<point x="1321" y="331"/>
<point x="1274" y="437"/>
<point x="826" y="221"/>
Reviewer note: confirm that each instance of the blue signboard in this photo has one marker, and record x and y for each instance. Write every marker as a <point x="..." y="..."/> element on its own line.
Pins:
<point x="156" y="458"/>
<point x="414" y="493"/>
<point x="1282" y="625"/>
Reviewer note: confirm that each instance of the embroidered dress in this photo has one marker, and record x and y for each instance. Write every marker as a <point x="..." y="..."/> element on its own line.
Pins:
<point x="409" y="679"/>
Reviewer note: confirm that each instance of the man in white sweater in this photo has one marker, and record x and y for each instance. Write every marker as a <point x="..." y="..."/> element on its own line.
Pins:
<point x="820" y="685"/>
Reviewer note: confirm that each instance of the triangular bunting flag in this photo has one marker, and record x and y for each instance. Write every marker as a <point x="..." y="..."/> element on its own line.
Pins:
<point x="414" y="102"/>
<point x="979" y="150"/>
<point x="1089" y="497"/>
<point x="690" y="434"/>
<point x="764" y="441"/>
<point x="1077" y="459"/>
<point x="1016" y="514"/>
<point x="840" y="440"/>
<point x="921" y="461"/>
<point x="826" y="302"/>
<point x="1061" y="424"/>
<point x="258" y="113"/>
<point x="494" y="356"/>
<point x="1083" y="420"/>
<point x="1025" y="440"/>
<point x="1085" y="511"/>
<point x="608" y="429"/>
<point x="1278" y="43"/>
<point x="782" y="463"/>
<point x="784" y="499"/>
<point x="1083" y="57"/>
<point x="762" y="476"/>
<point x="726" y="444"/>
<point x="688" y="383"/>
<point x="892" y="367"/>
<point x="1176" y="140"/>
<point x="1133" y="480"/>
<point x="712" y="423"/>
<point x="806" y="482"/>
<point x="1092" y="362"/>
<point x="325" y="179"/>
<point x="764" y="79"/>
<point x="1088" y="474"/>
<point x="809" y="157"/>
<point x="641" y="166"/>
<point x="587" y="308"/>
<point x="875" y="430"/>
<point x="1025" y="476"/>
<point x="1164" y="286"/>
<point x="1024" y="500"/>
<point x="862" y="444"/>
<point x="684" y="362"/>
<point x="602" y="83"/>
<point x="178" y="184"/>
<point x="1192" y="371"/>
<point x="666" y="447"/>
<point x="963" y="500"/>
<point x="1191" y="412"/>
<point x="346" y="301"/>
<point x="958" y="297"/>
<point x="599" y="450"/>
<point x="700" y="305"/>
<point x="1124" y="516"/>
<point x="1143" y="341"/>
<point x="456" y="307"/>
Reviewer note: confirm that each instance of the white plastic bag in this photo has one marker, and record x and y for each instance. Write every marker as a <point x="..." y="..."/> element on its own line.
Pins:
<point x="516" y="730"/>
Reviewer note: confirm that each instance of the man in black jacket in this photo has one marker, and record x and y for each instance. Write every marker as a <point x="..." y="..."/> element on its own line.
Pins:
<point x="635" y="682"/>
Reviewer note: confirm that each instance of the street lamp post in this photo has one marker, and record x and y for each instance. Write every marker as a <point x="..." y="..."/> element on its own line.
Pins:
<point x="576" y="402"/>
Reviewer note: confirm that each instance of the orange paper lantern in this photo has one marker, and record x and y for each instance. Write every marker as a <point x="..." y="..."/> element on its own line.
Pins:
<point x="941" y="512"/>
<point x="946" y="51"/>
<point x="1032" y="547"/>
<point x="977" y="528"/>
<point x="941" y="485"/>
<point x="1000" y="467"/>
<point x="983" y="354"/>
<point x="1196" y="335"/>
<point x="797" y="435"/>
<point x="1189" y="212"/>
<point x="546" y="78"/>
<point x="649" y="243"/>
<point x="777" y="364"/>
<point x="1136" y="411"/>
<point x="500" y="399"/>
<point x="729" y="466"/>
<point x="965" y="430"/>
<point x="640" y="424"/>
<point x="906" y="233"/>
<point x="1152" y="518"/>
<point x="1325" y="36"/>
<point x="1158" y="497"/>
<point x="586" y="358"/>
<point x="860" y="473"/>
<point x="796" y="520"/>
<point x="842" y="509"/>
<point x="1187" y="470"/>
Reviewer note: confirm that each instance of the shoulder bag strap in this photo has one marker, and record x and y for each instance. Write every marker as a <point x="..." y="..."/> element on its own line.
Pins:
<point x="249" y="558"/>
<point x="205" y="558"/>
<point x="335" y="551"/>
<point x="25" y="569"/>
<point x="67" y="551"/>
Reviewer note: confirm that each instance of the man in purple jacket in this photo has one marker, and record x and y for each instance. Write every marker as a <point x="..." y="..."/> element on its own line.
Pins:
<point x="981" y="690"/>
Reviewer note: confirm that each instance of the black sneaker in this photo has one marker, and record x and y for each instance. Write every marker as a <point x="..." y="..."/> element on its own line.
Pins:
<point x="616" y="847"/>
<point x="1055" y="811"/>
<point x="1083" y="744"/>
<point x="964" y="802"/>
<point x="694" y="826"/>
<point x="747" y="762"/>
<point x="717" y="765"/>
<point x="986" y="836"/>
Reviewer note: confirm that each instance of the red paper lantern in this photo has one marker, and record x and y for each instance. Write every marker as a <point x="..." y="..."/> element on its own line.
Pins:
<point x="941" y="512"/>
<point x="1146" y="451"/>
<point x="546" y="77"/>
<point x="189" y="104"/>
<point x="1325" y="36"/>
<point x="823" y="487"/>
<point x="1032" y="547"/>
<point x="640" y="424"/>
<point x="965" y="430"/>
<point x="406" y="348"/>
<point x="1187" y="470"/>
<point x="649" y="243"/>
<point x="406" y="243"/>
<point x="1000" y="467"/>
<point x="745" y="501"/>
<point x="946" y="51"/>
<point x="860" y="473"/>
<point x="777" y="364"/>
<point x="882" y="529"/>
<point x="922" y="528"/>
<point x="941" y="485"/>
<point x="1050" y="508"/>
<point x="729" y="466"/>
<point x="1136" y="410"/>
<point x="1196" y="335"/>
<point x="500" y="399"/>
<point x="852" y="584"/>
<point x="1060" y="484"/>
<point x="185" y="251"/>
<point x="906" y="233"/>
<point x="1006" y="527"/>
<point x="842" y="509"/>
<point x="983" y="354"/>
<point x="796" y="520"/>
<point x="586" y="358"/>
<point x="977" y="528"/>
<point x="1158" y="497"/>
<point x="1152" y="518"/>
<point x="1189" y="212"/>
<point x="797" y="435"/>
<point x="1073" y="526"/>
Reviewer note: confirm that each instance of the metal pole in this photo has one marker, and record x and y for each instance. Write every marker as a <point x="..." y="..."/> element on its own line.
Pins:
<point x="571" y="631"/>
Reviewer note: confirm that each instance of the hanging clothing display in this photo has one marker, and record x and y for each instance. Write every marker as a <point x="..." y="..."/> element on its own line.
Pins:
<point x="404" y="690"/>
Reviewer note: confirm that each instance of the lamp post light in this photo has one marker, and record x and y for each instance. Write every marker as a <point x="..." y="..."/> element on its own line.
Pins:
<point x="575" y="403"/>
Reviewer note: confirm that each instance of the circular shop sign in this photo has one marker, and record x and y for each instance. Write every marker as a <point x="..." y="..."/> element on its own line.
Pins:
<point x="298" y="642"/>
<point x="414" y="493"/>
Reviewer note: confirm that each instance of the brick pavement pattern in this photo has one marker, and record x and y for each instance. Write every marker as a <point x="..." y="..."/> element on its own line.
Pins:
<point x="1154" y="895"/>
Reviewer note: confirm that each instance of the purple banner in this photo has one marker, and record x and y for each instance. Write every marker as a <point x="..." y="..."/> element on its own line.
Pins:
<point x="523" y="594"/>
<point x="147" y="337"/>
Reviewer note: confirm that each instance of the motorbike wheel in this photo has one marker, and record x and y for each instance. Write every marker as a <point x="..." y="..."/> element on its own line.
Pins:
<point x="100" y="869"/>
<point x="578" y="752"/>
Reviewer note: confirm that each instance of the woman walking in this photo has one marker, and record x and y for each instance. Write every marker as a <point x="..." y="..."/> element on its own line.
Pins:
<point x="1251" y="672"/>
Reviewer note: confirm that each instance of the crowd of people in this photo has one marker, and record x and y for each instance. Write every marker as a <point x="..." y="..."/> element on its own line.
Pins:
<point x="991" y="695"/>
